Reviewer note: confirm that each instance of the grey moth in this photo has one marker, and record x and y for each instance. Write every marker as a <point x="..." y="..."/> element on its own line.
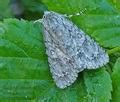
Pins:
<point x="69" y="49"/>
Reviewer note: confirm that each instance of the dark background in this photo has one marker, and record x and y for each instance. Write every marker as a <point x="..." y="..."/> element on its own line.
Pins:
<point x="26" y="9"/>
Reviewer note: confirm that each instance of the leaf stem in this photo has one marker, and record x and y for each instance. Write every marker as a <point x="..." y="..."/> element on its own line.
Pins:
<point x="116" y="49"/>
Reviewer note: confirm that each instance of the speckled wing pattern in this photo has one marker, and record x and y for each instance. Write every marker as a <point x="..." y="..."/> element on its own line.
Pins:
<point x="69" y="49"/>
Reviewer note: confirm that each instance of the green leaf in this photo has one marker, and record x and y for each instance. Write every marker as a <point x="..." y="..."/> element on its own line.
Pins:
<point x="75" y="93"/>
<point x="23" y="89"/>
<point x="5" y="9"/>
<point x="9" y="49"/>
<point x="116" y="3"/>
<point x="26" y="36"/>
<point x="98" y="85"/>
<point x="23" y="68"/>
<point x="116" y="82"/>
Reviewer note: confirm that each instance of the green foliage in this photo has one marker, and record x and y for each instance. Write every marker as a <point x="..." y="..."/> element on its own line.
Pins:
<point x="116" y="3"/>
<point x="98" y="85"/>
<point x="116" y="81"/>
<point x="4" y="9"/>
<point x="24" y="70"/>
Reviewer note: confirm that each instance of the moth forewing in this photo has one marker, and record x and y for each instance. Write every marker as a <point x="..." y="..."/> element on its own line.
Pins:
<point x="69" y="49"/>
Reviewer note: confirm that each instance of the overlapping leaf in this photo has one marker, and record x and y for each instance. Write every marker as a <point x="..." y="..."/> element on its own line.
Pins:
<point x="98" y="84"/>
<point x="5" y="9"/>
<point x="116" y="82"/>
<point x="24" y="72"/>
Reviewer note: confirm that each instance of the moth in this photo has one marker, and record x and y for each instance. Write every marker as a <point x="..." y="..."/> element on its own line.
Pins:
<point x="69" y="49"/>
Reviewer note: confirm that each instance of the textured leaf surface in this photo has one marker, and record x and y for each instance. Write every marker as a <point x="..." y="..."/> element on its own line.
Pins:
<point x="26" y="36"/>
<point x="116" y="82"/>
<point x="116" y="3"/>
<point x="98" y="84"/>
<point x="24" y="71"/>
<point x="4" y="9"/>
<point x="23" y="68"/>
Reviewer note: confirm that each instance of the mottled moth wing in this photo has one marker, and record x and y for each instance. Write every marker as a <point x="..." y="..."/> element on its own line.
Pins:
<point x="62" y="66"/>
<point x="69" y="49"/>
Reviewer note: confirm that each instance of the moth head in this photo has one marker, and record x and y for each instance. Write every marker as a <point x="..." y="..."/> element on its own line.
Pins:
<point x="49" y="14"/>
<point x="50" y="19"/>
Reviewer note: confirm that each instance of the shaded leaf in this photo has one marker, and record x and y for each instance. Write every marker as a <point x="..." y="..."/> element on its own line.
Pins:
<point x="23" y="68"/>
<point x="33" y="9"/>
<point x="26" y="35"/>
<point x="116" y="82"/>
<point x="98" y="85"/>
<point x="5" y="11"/>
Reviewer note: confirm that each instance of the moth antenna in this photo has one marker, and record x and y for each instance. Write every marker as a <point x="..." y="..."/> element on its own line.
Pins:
<point x="39" y="20"/>
<point x="69" y="16"/>
<point x="77" y="14"/>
